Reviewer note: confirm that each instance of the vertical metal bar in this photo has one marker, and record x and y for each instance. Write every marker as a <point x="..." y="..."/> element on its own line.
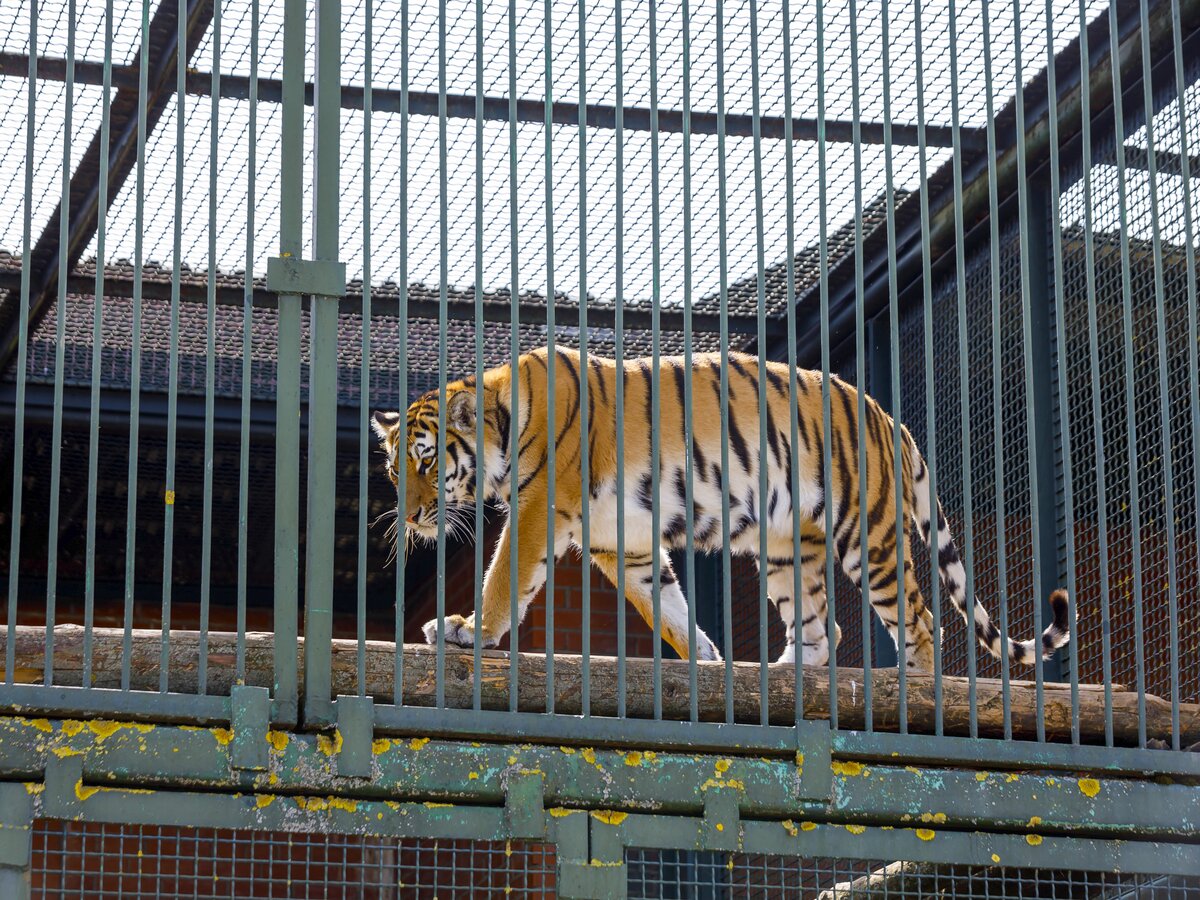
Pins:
<point x="619" y="328"/>
<point x="443" y="362"/>
<point x="60" y="316"/>
<point x="210" y="367"/>
<point x="1098" y="418"/>
<point x="173" y="365"/>
<point x="480" y="471"/>
<point x="964" y="369"/>
<point x="585" y="527"/>
<point x="402" y="366"/>
<point x="655" y="375"/>
<point x="1164" y="395"/>
<point x="1135" y="509"/>
<point x="723" y="240"/>
<point x="763" y="459"/>
<point x="514" y="508"/>
<point x="882" y="351"/>
<point x="89" y="599"/>
<point x="247" y="347"/>
<point x="364" y="402"/>
<point x="860" y="329"/>
<point x="322" y="391"/>
<point x="135" y="372"/>
<point x="688" y="412"/>
<point x="551" y="358"/>
<point x="935" y="581"/>
<point x="798" y="612"/>
<point x="18" y="479"/>
<point x="826" y="409"/>
<point x="1193" y="326"/>
<point x="997" y="381"/>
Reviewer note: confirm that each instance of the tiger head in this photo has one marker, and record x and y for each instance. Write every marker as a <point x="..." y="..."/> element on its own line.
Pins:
<point x="420" y="457"/>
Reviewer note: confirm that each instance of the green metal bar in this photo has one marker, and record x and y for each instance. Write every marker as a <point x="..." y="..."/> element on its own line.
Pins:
<point x="14" y="546"/>
<point x="173" y="365"/>
<point x="443" y="363"/>
<point x="551" y="361"/>
<point x="364" y="403"/>
<point x="1098" y="418"/>
<point x="935" y="582"/>
<point x="1135" y="510"/>
<point x="322" y="391"/>
<point x="480" y="470"/>
<point x="1193" y="327"/>
<point x="655" y="374"/>
<point x="401" y="554"/>
<point x="585" y="527"/>
<point x="826" y="411"/>
<point x="1164" y="395"/>
<point x="997" y="380"/>
<point x="514" y="442"/>
<point x="789" y="159"/>
<point x="723" y="221"/>
<point x="860" y="359"/>
<point x="210" y="369"/>
<point x="619" y="332"/>
<point x="59" y="353"/>
<point x="89" y="602"/>
<point x="763" y="459"/>
<point x="135" y="371"/>
<point x="964" y="371"/>
<point x="247" y="346"/>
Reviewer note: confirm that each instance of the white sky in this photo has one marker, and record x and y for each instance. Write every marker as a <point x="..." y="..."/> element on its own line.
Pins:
<point x="421" y="246"/>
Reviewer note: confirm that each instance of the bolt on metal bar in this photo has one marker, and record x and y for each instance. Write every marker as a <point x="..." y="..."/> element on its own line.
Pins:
<point x="964" y="375"/>
<point x="173" y="364"/>
<point x="1098" y="419"/>
<point x="247" y="347"/>
<point x="1135" y="509"/>
<point x="1193" y="325"/>
<point x="480" y="468"/>
<point x="655" y="374"/>
<point x="59" y="353"/>
<point x="1057" y="298"/>
<point x="689" y="460"/>
<point x="89" y="602"/>
<point x="444" y="365"/>
<point x="210" y="368"/>
<point x="722" y="223"/>
<point x="860" y="359"/>
<point x="799" y="611"/>
<point x="364" y="402"/>
<point x="135" y="370"/>
<point x="514" y="442"/>
<point x="585" y="476"/>
<point x="1168" y="453"/>
<point x="997" y="380"/>
<point x="551" y="361"/>
<point x="931" y="456"/>
<point x="763" y="459"/>
<point x="18" y="479"/>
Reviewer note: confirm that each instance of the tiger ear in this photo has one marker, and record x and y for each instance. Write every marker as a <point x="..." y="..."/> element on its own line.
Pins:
<point x="460" y="411"/>
<point x="383" y="423"/>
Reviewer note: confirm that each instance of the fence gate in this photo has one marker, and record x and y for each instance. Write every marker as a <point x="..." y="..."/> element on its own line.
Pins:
<point x="771" y="282"/>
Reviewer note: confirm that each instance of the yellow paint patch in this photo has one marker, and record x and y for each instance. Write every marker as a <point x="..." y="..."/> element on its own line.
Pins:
<point x="343" y="804"/>
<point x="34" y="787"/>
<point x="938" y="818"/>
<point x="472" y="776"/>
<point x="926" y="834"/>
<point x="722" y="766"/>
<point x="71" y="727"/>
<point x="850" y="769"/>
<point x="808" y="826"/>
<point x="790" y="827"/>
<point x="383" y="745"/>
<point x="720" y="827"/>
<point x="278" y="740"/>
<point x="40" y="724"/>
<point x="431" y="805"/>
<point x="1010" y="778"/>
<point x="650" y="755"/>
<point x="995" y="857"/>
<point x="330" y="745"/>
<point x="1035" y="821"/>
<point x="508" y="848"/>
<point x="1033" y="839"/>
<point x="560" y="812"/>
<point x="64" y="752"/>
<point x="417" y="743"/>
<point x="1089" y="786"/>
<point x="84" y="792"/>
<point x="223" y="735"/>
<point x="799" y="760"/>
<point x="567" y="750"/>
<point x="912" y="769"/>
<point x="601" y="864"/>
<point x="103" y="729"/>
<point x="609" y="817"/>
<point x="856" y="829"/>
<point x="272" y="779"/>
<point x="633" y="758"/>
<point x="262" y="801"/>
<point x="981" y="776"/>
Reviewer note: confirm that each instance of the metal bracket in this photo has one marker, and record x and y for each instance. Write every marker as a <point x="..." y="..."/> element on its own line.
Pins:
<point x="356" y="725"/>
<point x="591" y="858"/>
<point x="313" y="277"/>
<point x="251" y="719"/>
<point x="524" y="804"/>
<point x="720" y="828"/>
<point x="814" y="755"/>
<point x="64" y="787"/>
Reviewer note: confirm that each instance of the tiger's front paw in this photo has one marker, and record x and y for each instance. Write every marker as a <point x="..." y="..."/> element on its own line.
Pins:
<point x="459" y="632"/>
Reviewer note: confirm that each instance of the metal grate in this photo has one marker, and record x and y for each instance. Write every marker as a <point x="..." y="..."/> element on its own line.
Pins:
<point x="86" y="860"/>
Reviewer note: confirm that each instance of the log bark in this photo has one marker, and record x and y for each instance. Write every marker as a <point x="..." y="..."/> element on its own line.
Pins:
<point x="915" y="880"/>
<point x="420" y="662"/>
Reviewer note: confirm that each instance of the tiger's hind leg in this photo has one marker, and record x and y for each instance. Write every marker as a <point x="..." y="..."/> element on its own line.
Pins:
<point x="781" y="585"/>
<point x="918" y="622"/>
<point x="673" y="608"/>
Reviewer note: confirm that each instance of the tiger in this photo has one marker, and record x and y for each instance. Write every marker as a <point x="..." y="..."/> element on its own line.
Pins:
<point x="412" y="440"/>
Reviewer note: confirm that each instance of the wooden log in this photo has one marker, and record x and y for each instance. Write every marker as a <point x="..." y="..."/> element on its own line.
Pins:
<point x="916" y="880"/>
<point x="420" y="661"/>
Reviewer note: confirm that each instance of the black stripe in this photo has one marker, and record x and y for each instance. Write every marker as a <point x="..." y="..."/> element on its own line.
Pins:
<point x="772" y="437"/>
<point x="777" y="381"/>
<point x="534" y="474"/>
<point x="738" y="442"/>
<point x="596" y="367"/>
